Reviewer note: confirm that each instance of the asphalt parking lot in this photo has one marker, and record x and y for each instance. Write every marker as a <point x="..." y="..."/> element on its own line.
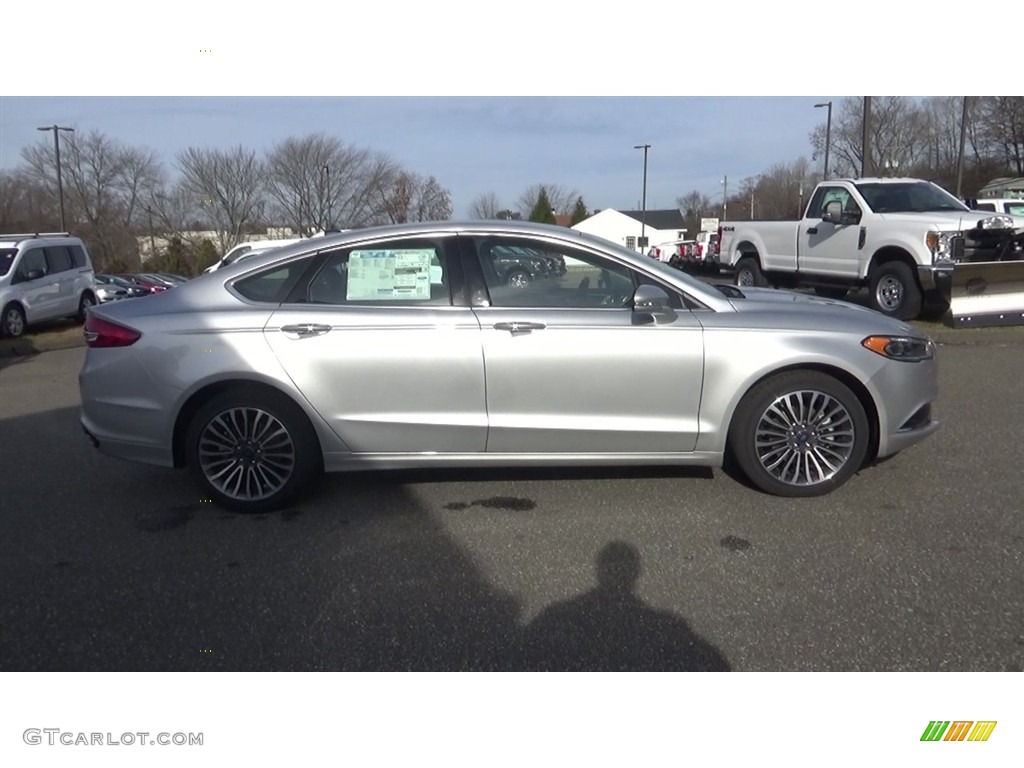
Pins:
<point x="915" y="564"/>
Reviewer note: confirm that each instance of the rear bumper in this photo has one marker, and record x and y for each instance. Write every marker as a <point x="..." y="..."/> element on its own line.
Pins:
<point x="147" y="454"/>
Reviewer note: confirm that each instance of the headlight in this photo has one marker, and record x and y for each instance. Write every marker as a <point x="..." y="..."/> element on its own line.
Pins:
<point x="939" y="244"/>
<point x="904" y="348"/>
<point x="996" y="222"/>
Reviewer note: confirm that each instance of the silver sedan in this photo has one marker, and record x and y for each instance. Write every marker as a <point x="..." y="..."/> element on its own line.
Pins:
<point x="406" y="346"/>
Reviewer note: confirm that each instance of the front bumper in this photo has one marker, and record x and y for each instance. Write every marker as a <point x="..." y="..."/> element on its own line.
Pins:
<point x="936" y="277"/>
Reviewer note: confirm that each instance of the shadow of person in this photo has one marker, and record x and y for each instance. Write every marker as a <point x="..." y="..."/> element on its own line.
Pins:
<point x="609" y="628"/>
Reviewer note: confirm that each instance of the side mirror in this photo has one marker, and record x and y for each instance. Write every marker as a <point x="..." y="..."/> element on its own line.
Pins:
<point x="833" y="212"/>
<point x="653" y="301"/>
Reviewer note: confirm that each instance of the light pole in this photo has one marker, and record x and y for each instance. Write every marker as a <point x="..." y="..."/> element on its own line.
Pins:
<point x="828" y="134"/>
<point x="643" y="209"/>
<point x="152" y="242"/>
<point x="56" y="150"/>
<point x="725" y="198"/>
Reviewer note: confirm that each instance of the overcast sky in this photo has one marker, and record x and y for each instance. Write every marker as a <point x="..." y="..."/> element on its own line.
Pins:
<point x="352" y="70"/>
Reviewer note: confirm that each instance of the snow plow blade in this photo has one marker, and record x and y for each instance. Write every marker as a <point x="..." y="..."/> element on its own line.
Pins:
<point x="987" y="293"/>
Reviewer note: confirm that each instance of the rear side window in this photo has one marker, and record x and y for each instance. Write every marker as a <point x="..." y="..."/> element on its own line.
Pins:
<point x="58" y="259"/>
<point x="78" y="256"/>
<point x="274" y="285"/>
<point x="408" y="272"/>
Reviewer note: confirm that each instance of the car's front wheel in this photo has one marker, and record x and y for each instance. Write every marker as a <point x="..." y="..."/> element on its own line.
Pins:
<point x="12" y="323"/>
<point x="251" y="450"/>
<point x="799" y="433"/>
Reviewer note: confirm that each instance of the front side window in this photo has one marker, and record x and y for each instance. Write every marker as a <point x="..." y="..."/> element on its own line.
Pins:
<point x="908" y="197"/>
<point x="520" y="272"/>
<point x="7" y="259"/>
<point x="33" y="261"/>
<point x="827" y="195"/>
<point x="411" y="272"/>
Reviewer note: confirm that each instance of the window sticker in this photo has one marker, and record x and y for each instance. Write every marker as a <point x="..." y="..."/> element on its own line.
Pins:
<point x="402" y="274"/>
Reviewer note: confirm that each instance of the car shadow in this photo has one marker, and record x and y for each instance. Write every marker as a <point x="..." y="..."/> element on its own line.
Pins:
<point x="115" y="566"/>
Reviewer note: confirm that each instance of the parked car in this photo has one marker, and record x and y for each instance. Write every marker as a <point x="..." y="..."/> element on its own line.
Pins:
<point x="150" y="284"/>
<point x="405" y="346"/>
<point x="112" y="288"/>
<point x="43" y="276"/>
<point x="246" y="250"/>
<point x="1011" y="206"/>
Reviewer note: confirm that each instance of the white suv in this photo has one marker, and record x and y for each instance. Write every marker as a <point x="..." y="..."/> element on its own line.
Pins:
<point x="43" y="277"/>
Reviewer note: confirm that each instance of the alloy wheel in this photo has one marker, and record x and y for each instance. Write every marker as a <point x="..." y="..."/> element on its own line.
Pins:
<point x="246" y="453"/>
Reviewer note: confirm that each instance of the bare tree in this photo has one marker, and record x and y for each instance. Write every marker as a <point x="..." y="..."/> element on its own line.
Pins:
<point x="413" y="198"/>
<point x="1001" y="124"/>
<point x="694" y="206"/>
<point x="486" y="206"/>
<point x="318" y="182"/>
<point x="231" y="183"/>
<point x="104" y="183"/>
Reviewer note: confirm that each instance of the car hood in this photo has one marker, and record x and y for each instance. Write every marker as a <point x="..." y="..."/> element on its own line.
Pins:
<point x="815" y="312"/>
<point x="947" y="220"/>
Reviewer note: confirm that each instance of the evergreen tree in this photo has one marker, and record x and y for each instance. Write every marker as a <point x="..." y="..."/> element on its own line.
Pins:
<point x="579" y="213"/>
<point x="541" y="211"/>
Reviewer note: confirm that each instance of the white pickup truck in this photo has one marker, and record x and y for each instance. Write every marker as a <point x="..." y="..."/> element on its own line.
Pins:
<point x="898" y="237"/>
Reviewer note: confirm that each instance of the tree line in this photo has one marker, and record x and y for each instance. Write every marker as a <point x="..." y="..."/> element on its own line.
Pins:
<point x="114" y="193"/>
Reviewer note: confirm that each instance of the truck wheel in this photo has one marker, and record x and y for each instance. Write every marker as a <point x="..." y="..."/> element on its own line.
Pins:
<point x="748" y="273"/>
<point x="894" y="291"/>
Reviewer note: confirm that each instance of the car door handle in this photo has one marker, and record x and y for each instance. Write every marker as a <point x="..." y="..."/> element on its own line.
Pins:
<point x="812" y="231"/>
<point x="306" y="330"/>
<point x="519" y="327"/>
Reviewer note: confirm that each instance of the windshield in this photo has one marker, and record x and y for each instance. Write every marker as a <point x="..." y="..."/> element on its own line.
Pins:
<point x="909" y="197"/>
<point x="6" y="259"/>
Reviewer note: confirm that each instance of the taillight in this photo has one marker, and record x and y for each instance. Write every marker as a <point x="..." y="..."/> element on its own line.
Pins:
<point x="718" y="243"/>
<point x="103" y="333"/>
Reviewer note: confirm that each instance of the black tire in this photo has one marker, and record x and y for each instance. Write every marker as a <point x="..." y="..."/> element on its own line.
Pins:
<point x="255" y="475"/>
<point x="518" y="278"/>
<point x="749" y="274"/>
<point x="895" y="292"/>
<point x="824" y="454"/>
<point x="831" y="293"/>
<point x="84" y="304"/>
<point x="12" y="323"/>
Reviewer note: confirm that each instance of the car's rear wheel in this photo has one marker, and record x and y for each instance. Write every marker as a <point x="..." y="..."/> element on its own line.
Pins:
<point x="86" y="303"/>
<point x="799" y="433"/>
<point x="251" y="450"/>
<point x="12" y="323"/>
<point x="749" y="274"/>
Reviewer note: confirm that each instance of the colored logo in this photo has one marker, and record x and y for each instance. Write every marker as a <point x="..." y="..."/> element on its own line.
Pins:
<point x="958" y="730"/>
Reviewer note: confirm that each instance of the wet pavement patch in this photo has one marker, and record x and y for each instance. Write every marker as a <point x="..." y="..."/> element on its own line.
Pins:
<point x="155" y="520"/>
<point x="735" y="543"/>
<point x="513" y="503"/>
<point x="290" y="514"/>
<point x="61" y="564"/>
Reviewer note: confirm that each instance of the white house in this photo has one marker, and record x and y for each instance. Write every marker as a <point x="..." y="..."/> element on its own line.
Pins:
<point x="623" y="227"/>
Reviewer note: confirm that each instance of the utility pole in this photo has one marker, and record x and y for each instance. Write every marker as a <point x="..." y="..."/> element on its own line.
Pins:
<point x="751" y="205"/>
<point x="56" y="150"/>
<point x="643" y="210"/>
<point x="865" y="164"/>
<point x="960" y="157"/>
<point x="725" y="198"/>
<point x="828" y="134"/>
